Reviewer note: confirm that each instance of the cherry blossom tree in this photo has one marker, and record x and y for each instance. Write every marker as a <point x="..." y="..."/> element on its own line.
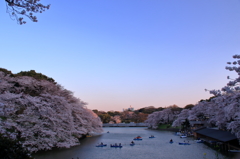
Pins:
<point x="223" y="109"/>
<point x="27" y="8"/>
<point x="199" y="111"/>
<point x="115" y="119"/>
<point x="42" y="114"/>
<point x="160" y="117"/>
<point x="228" y="101"/>
<point x="181" y="117"/>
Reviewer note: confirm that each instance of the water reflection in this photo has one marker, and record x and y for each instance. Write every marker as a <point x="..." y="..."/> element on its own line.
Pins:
<point x="147" y="148"/>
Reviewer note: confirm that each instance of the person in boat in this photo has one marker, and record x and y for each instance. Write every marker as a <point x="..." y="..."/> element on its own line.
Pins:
<point x="101" y="143"/>
<point x="120" y="144"/>
<point x="171" y="140"/>
<point x="132" y="142"/>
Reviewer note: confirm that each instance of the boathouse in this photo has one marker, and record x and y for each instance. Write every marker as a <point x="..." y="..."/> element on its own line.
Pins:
<point x="223" y="140"/>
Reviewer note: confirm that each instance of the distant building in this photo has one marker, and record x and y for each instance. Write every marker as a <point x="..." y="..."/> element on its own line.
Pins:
<point x="129" y="109"/>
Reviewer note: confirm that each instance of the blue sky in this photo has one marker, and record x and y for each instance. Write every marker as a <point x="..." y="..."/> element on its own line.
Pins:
<point x="113" y="54"/>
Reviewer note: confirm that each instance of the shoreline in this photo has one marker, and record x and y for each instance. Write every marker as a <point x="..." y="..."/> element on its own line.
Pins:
<point x="168" y="129"/>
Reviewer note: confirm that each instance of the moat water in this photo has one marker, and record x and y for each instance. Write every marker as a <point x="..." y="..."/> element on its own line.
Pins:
<point x="147" y="148"/>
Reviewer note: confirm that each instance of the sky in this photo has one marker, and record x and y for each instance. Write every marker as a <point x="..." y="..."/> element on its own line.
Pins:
<point x="113" y="54"/>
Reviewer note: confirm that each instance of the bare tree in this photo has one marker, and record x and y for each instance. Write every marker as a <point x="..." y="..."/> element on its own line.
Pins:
<point x="18" y="8"/>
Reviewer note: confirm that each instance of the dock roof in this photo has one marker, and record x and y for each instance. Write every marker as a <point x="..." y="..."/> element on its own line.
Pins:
<point x="220" y="135"/>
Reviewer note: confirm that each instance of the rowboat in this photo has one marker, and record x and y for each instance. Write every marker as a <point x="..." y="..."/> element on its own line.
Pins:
<point x="116" y="146"/>
<point x="183" y="143"/>
<point x="137" y="139"/>
<point x="183" y="136"/>
<point x="199" y="141"/>
<point x="170" y="142"/>
<point x="151" y="137"/>
<point x="132" y="144"/>
<point x="101" y="145"/>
